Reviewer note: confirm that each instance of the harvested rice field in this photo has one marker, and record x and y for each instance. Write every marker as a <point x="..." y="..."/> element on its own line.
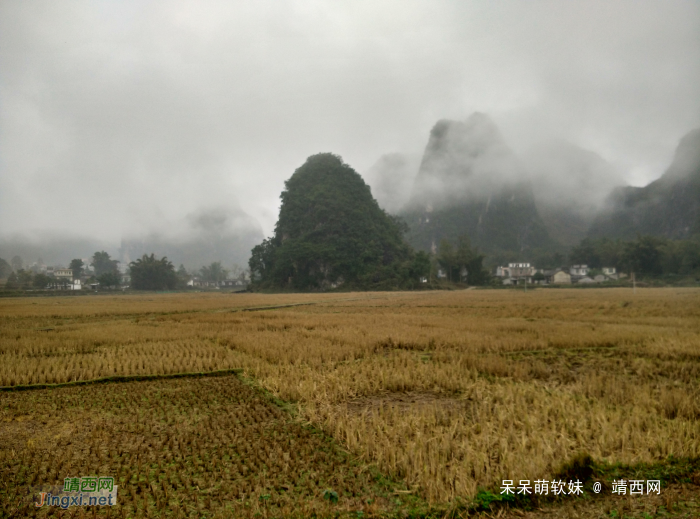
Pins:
<point x="180" y="448"/>
<point x="424" y="402"/>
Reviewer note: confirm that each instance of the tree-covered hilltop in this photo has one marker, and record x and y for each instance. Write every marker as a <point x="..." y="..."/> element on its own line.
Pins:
<point x="332" y="232"/>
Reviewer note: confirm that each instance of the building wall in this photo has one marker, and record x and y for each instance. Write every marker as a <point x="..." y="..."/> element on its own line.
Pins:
<point x="561" y="277"/>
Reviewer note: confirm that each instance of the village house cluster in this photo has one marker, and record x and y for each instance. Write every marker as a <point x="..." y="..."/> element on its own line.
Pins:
<point x="525" y="273"/>
<point x="101" y="272"/>
<point x="197" y="281"/>
<point x="64" y="278"/>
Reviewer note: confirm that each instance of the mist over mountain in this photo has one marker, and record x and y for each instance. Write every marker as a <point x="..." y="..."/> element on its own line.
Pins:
<point x="463" y="160"/>
<point x="668" y="207"/>
<point x="569" y="185"/>
<point x="51" y="248"/>
<point x="225" y="234"/>
<point x="470" y="182"/>
<point x="391" y="179"/>
<point x="119" y="118"/>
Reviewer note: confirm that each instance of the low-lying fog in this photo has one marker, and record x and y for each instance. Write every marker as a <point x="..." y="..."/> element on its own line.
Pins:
<point x="170" y="127"/>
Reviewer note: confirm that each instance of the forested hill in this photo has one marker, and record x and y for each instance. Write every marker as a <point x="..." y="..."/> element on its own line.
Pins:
<point x="668" y="207"/>
<point x="331" y="232"/>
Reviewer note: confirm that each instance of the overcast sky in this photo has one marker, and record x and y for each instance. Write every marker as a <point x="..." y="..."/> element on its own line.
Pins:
<point x="123" y="117"/>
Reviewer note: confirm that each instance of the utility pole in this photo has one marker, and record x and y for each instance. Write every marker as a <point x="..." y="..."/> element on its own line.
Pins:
<point x="634" y="284"/>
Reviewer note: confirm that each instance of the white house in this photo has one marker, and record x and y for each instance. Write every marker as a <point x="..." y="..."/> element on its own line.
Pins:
<point x="579" y="270"/>
<point x="521" y="272"/>
<point x="194" y="282"/>
<point x="520" y="269"/>
<point x="516" y="271"/>
<point x="63" y="273"/>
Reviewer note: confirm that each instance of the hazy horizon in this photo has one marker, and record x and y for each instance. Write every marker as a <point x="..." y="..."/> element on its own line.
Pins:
<point x="124" y="120"/>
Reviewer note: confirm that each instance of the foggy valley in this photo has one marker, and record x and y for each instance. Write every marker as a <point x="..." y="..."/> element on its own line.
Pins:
<point x="116" y="143"/>
<point x="357" y="259"/>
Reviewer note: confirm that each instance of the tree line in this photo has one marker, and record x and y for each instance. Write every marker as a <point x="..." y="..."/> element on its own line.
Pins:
<point x="146" y="273"/>
<point x="106" y="273"/>
<point x="646" y="256"/>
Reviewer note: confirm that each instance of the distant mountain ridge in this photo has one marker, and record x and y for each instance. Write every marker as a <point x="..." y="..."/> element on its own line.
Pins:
<point x="463" y="160"/>
<point x="470" y="182"/>
<point x="668" y="207"/>
<point x="570" y="184"/>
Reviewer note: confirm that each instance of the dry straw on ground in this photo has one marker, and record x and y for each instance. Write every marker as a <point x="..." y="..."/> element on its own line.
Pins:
<point x="206" y="447"/>
<point x="450" y="391"/>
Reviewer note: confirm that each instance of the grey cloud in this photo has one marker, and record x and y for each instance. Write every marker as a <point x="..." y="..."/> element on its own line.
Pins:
<point x="119" y="119"/>
<point x="568" y="176"/>
<point x="464" y="160"/>
<point x="391" y="179"/>
<point x="213" y="234"/>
